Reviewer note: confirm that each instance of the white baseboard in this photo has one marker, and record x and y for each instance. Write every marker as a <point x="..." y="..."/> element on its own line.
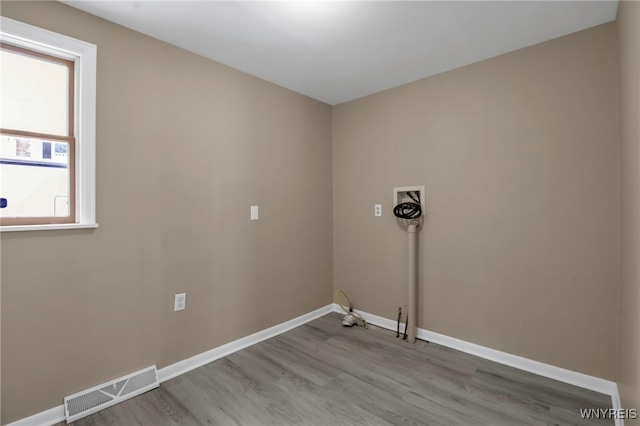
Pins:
<point x="46" y="418"/>
<point x="585" y="381"/>
<point x="56" y="414"/>
<point x="616" y="404"/>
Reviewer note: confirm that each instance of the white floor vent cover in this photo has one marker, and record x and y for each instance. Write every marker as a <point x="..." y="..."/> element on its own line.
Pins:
<point x="99" y="397"/>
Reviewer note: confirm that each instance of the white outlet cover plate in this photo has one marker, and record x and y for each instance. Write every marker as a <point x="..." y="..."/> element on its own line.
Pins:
<point x="180" y="302"/>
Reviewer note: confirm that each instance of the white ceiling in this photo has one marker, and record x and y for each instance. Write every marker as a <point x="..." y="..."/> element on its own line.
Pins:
<point x="336" y="51"/>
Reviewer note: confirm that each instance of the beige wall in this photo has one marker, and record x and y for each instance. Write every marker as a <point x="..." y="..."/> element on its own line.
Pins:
<point x="629" y="55"/>
<point x="184" y="147"/>
<point x="519" y="158"/>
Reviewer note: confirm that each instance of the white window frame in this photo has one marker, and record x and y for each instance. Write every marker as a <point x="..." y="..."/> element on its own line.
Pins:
<point x="84" y="56"/>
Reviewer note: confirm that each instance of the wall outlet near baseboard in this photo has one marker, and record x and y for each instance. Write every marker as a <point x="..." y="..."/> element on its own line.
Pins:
<point x="180" y="302"/>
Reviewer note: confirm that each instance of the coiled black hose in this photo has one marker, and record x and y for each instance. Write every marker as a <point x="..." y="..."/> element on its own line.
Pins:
<point x="409" y="210"/>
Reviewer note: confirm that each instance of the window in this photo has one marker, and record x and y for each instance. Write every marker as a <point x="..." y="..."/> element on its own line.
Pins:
<point x="36" y="138"/>
<point x="47" y="129"/>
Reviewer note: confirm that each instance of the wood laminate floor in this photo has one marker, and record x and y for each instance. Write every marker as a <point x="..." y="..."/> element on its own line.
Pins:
<point x="325" y="374"/>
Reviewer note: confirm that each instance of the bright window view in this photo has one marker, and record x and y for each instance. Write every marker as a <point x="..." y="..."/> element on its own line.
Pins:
<point x="36" y="138"/>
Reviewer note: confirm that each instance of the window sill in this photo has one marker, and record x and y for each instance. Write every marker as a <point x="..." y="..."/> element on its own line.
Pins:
<point x="48" y="227"/>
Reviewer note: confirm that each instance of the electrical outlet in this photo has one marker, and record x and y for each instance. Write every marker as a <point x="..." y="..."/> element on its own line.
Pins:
<point x="377" y="210"/>
<point x="180" y="302"/>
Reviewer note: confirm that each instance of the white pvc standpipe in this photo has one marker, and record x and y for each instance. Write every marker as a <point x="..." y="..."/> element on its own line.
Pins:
<point x="412" y="316"/>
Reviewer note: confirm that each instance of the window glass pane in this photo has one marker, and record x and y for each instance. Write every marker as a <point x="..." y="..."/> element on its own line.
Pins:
<point x="34" y="177"/>
<point x="35" y="94"/>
